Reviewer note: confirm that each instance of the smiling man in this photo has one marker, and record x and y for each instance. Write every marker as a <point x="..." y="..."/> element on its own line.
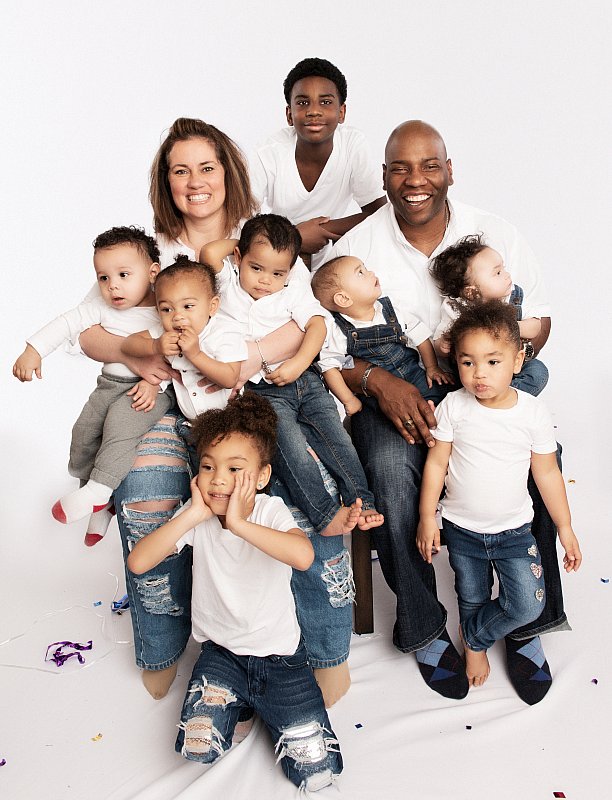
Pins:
<point x="398" y="242"/>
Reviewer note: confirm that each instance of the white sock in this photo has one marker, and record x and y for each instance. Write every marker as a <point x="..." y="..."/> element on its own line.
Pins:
<point x="82" y="502"/>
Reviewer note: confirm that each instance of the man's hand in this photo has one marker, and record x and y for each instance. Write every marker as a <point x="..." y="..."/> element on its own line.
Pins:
<point x="405" y="406"/>
<point x="167" y="344"/>
<point x="428" y="538"/>
<point x="28" y="362"/>
<point x="144" y="395"/>
<point x="315" y="235"/>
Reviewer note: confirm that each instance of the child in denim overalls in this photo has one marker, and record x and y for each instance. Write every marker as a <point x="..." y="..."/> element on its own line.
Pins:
<point x="470" y="270"/>
<point x="367" y="326"/>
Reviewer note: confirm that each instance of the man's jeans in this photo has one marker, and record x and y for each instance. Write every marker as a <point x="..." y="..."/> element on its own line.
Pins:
<point x="394" y="470"/>
<point x="282" y="690"/>
<point x="515" y="557"/>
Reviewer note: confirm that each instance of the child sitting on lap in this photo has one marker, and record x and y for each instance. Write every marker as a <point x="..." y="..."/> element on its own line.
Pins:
<point x="488" y="436"/>
<point x="259" y="299"/>
<point x="243" y="612"/>
<point x="105" y="436"/>
<point x="367" y="326"/>
<point x="469" y="271"/>
<point x="201" y="346"/>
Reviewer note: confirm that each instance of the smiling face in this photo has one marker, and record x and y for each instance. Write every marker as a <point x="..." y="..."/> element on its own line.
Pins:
<point x="416" y="175"/>
<point x="125" y="276"/>
<point x="359" y="285"/>
<point x="219" y="464"/>
<point x="488" y="274"/>
<point x="185" y="302"/>
<point x="197" y="180"/>
<point x="486" y="367"/>
<point x="315" y="110"/>
<point x="263" y="270"/>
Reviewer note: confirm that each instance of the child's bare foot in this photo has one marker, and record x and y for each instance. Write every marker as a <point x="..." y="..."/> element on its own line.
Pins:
<point x="344" y="520"/>
<point x="334" y="682"/>
<point x="477" y="666"/>
<point x="370" y="519"/>
<point x="157" y="682"/>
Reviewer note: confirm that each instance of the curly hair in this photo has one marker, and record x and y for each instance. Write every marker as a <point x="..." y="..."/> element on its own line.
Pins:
<point x="493" y="316"/>
<point x="315" y="67"/>
<point x="239" y="200"/>
<point x="145" y="244"/>
<point x="281" y="234"/>
<point x="449" y="269"/>
<point x="184" y="266"/>
<point x="248" y="415"/>
<point x="326" y="282"/>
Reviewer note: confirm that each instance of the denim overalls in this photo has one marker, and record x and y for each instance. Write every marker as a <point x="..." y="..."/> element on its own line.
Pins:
<point x="533" y="377"/>
<point x="388" y="346"/>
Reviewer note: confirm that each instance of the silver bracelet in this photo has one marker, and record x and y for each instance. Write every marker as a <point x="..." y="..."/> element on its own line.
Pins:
<point x="264" y="364"/>
<point x="364" y="380"/>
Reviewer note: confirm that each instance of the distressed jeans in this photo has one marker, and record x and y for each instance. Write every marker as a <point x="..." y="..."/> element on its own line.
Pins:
<point x="394" y="470"/>
<point x="282" y="690"/>
<point x="515" y="557"/>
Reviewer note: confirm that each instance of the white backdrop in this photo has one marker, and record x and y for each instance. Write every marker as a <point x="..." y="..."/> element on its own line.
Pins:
<point x="520" y="92"/>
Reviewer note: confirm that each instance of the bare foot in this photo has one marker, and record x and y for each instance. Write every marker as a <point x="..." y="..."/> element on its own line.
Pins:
<point x="334" y="682"/>
<point x="370" y="519"/>
<point x="158" y="681"/>
<point x="477" y="666"/>
<point x="345" y="520"/>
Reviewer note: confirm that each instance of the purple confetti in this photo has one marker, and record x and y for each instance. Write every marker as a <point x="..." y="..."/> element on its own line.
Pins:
<point x="359" y="725"/>
<point x="468" y="727"/>
<point x="60" y="658"/>
<point x="595" y="681"/>
<point x="3" y="762"/>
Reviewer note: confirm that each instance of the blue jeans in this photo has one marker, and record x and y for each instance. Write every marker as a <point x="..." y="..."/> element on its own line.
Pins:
<point x="282" y="690"/>
<point x="324" y="593"/>
<point x="394" y="470"/>
<point x="307" y="414"/>
<point x="515" y="557"/>
<point x="160" y="599"/>
<point x="532" y="378"/>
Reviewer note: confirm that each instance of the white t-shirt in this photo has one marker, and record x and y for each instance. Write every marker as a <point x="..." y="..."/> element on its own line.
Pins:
<point x="403" y="271"/>
<point x="334" y="350"/>
<point x="222" y="340"/>
<point x="486" y="483"/>
<point x="351" y="175"/>
<point x="67" y="327"/>
<point x="256" y="318"/>
<point x="242" y="598"/>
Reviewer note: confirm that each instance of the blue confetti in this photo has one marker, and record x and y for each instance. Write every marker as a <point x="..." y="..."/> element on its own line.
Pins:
<point x="605" y="580"/>
<point x="359" y="725"/>
<point x="98" y="603"/>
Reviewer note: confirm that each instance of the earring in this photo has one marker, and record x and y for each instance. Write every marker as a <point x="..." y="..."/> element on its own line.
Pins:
<point x="260" y="485"/>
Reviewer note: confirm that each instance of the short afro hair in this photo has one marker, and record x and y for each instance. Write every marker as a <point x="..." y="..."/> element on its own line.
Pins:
<point x="278" y="231"/>
<point x="492" y="316"/>
<point x="184" y="266"/>
<point x="248" y="415"/>
<point x="317" y="67"/>
<point x="326" y="282"/>
<point x="449" y="269"/>
<point x="145" y="244"/>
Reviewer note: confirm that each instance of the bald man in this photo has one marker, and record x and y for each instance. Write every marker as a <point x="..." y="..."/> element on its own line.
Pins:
<point x="392" y="433"/>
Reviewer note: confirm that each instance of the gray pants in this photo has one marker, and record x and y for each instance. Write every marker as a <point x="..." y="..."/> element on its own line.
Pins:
<point x="107" y="432"/>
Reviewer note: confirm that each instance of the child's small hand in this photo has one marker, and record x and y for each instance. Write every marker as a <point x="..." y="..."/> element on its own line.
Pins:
<point x="144" y="395"/>
<point x="353" y="406"/>
<point x="428" y="537"/>
<point x="438" y="375"/>
<point x="27" y="363"/>
<point x="189" y="342"/>
<point x="288" y="372"/>
<point x="242" y="500"/>
<point x="573" y="557"/>
<point x="167" y="344"/>
<point x="198" y="504"/>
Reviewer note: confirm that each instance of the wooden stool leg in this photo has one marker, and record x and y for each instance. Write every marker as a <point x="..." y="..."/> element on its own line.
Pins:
<point x="363" y="608"/>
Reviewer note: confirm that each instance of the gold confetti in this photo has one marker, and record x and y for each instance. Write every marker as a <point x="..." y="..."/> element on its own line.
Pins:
<point x="571" y="480"/>
<point x="96" y="738"/>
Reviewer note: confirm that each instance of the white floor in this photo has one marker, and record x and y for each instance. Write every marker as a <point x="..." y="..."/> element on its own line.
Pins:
<point x="410" y="743"/>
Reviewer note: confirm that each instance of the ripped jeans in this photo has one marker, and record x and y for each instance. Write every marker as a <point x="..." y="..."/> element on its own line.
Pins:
<point x="282" y="690"/>
<point x="160" y="600"/>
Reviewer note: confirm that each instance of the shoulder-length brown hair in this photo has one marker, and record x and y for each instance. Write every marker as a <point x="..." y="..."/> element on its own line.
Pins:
<point x="239" y="200"/>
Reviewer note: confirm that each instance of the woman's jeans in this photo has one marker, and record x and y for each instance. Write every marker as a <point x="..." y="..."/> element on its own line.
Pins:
<point x="394" y="470"/>
<point x="307" y="415"/>
<point x="282" y="690"/>
<point x="515" y="557"/>
<point x="160" y="599"/>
